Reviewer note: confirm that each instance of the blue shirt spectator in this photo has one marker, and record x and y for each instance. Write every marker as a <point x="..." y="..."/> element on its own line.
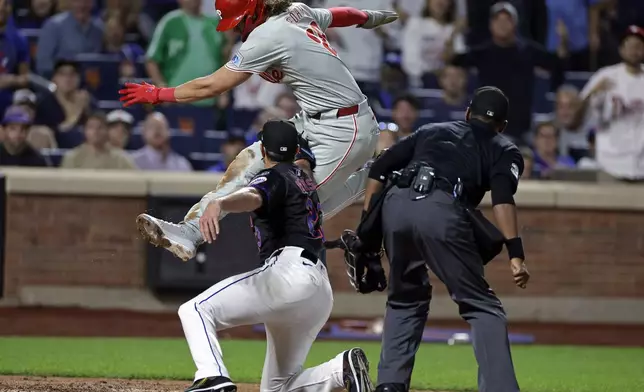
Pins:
<point x="14" y="58"/>
<point x="68" y="34"/>
<point x="546" y="154"/>
<point x="452" y="104"/>
<point x="574" y="15"/>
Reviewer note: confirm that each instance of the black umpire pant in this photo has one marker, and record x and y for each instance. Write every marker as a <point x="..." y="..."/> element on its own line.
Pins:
<point x="434" y="233"/>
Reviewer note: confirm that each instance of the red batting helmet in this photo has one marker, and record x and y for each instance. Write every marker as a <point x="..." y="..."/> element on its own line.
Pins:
<point x="232" y="12"/>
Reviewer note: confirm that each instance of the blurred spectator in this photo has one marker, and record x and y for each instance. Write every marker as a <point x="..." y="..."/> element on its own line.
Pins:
<point x="531" y="15"/>
<point x="157" y="153"/>
<point x="287" y="103"/>
<point x="185" y="46"/>
<point x="15" y="150"/>
<point x="576" y="22"/>
<point x="588" y="162"/>
<point x="573" y="135"/>
<point x="393" y="81"/>
<point x="229" y="150"/>
<point x="114" y="40"/>
<point x="452" y="104"/>
<point x="39" y="136"/>
<point x="424" y="38"/>
<point x="14" y="57"/>
<point x="68" y="34"/>
<point x="68" y="106"/>
<point x="361" y="49"/>
<point x="114" y="43"/>
<point x="270" y="113"/>
<point x="404" y="116"/>
<point x="96" y="153"/>
<point x="546" y="156"/>
<point x="508" y="62"/>
<point x="138" y="27"/>
<point x="528" y="162"/>
<point x="31" y="14"/>
<point x="615" y="95"/>
<point x="119" y="128"/>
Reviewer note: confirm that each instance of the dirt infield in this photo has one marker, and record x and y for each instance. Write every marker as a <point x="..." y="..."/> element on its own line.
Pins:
<point x="55" y="384"/>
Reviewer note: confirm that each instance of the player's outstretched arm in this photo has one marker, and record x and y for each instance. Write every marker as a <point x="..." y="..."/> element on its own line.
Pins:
<point x="367" y="19"/>
<point x="195" y="90"/>
<point x="244" y="200"/>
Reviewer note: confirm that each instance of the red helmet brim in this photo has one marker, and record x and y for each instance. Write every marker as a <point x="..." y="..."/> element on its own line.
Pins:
<point x="226" y="24"/>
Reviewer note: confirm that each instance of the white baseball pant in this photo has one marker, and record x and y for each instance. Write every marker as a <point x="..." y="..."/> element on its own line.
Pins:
<point x="341" y="145"/>
<point x="292" y="297"/>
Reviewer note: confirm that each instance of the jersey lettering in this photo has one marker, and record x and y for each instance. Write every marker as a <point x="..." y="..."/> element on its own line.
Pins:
<point x="317" y="35"/>
<point x="273" y="75"/>
<point x="313" y="219"/>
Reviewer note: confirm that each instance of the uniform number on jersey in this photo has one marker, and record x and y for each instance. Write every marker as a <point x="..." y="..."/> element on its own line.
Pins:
<point x="316" y="34"/>
<point x="313" y="219"/>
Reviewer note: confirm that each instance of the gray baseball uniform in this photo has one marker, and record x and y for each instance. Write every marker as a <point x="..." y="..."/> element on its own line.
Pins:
<point x="342" y="131"/>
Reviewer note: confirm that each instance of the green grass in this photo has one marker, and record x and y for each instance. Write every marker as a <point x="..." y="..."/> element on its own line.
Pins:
<point x="539" y="368"/>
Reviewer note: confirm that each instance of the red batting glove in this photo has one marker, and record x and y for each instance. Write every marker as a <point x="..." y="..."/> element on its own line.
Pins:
<point x="145" y="93"/>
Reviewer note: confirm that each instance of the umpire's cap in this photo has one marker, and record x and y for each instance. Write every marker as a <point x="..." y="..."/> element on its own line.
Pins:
<point x="490" y="102"/>
<point x="280" y="138"/>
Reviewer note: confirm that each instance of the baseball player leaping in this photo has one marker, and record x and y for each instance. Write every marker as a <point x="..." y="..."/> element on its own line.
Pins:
<point x="290" y="292"/>
<point x="284" y="42"/>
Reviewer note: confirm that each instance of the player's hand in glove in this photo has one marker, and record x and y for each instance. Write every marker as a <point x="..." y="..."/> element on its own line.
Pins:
<point x="145" y="93"/>
<point x="139" y="93"/>
<point x="363" y="268"/>
<point x="378" y="18"/>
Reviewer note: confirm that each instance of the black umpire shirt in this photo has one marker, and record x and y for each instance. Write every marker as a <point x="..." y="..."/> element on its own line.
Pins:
<point x="290" y="214"/>
<point x="482" y="158"/>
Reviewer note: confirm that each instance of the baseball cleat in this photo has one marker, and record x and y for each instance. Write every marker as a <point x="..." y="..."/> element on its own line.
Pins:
<point x="356" y="371"/>
<point x="212" y="384"/>
<point x="177" y="238"/>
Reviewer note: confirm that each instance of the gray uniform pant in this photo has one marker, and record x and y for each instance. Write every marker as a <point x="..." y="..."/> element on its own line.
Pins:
<point x="434" y="233"/>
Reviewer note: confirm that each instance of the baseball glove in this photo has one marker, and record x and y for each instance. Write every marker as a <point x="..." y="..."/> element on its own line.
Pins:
<point x="364" y="269"/>
<point x="378" y="18"/>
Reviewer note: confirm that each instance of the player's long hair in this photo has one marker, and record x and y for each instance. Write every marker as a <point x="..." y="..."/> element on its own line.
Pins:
<point x="276" y="7"/>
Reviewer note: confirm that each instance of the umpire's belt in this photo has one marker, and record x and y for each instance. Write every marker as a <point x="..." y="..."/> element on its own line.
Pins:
<point x="342" y="112"/>
<point x="307" y="254"/>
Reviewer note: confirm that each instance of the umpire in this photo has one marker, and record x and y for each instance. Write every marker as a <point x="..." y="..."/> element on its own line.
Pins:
<point x="429" y="219"/>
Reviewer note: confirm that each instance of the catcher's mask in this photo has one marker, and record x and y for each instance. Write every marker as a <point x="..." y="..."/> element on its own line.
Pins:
<point x="248" y="13"/>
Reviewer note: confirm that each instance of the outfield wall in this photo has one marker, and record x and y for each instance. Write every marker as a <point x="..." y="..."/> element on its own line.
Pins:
<point x="70" y="240"/>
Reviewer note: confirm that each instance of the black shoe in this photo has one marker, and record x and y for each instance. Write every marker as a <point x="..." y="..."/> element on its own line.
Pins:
<point x="391" y="388"/>
<point x="213" y="384"/>
<point x="356" y="371"/>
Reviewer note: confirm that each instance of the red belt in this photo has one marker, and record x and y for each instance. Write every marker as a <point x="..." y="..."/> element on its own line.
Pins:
<point x="342" y="112"/>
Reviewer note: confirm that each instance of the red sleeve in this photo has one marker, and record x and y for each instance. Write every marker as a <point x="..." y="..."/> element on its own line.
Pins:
<point x="347" y="16"/>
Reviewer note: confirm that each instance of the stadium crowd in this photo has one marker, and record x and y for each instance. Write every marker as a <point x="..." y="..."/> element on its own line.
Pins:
<point x="61" y="64"/>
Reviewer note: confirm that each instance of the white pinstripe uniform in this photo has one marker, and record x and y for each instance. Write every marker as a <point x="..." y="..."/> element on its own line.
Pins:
<point x="291" y="48"/>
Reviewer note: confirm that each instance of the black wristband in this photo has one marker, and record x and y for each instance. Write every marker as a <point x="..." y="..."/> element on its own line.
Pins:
<point x="515" y="248"/>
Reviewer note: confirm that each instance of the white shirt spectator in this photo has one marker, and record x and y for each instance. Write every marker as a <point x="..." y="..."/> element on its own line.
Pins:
<point x="360" y="49"/>
<point x="423" y="44"/>
<point x="620" y="113"/>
